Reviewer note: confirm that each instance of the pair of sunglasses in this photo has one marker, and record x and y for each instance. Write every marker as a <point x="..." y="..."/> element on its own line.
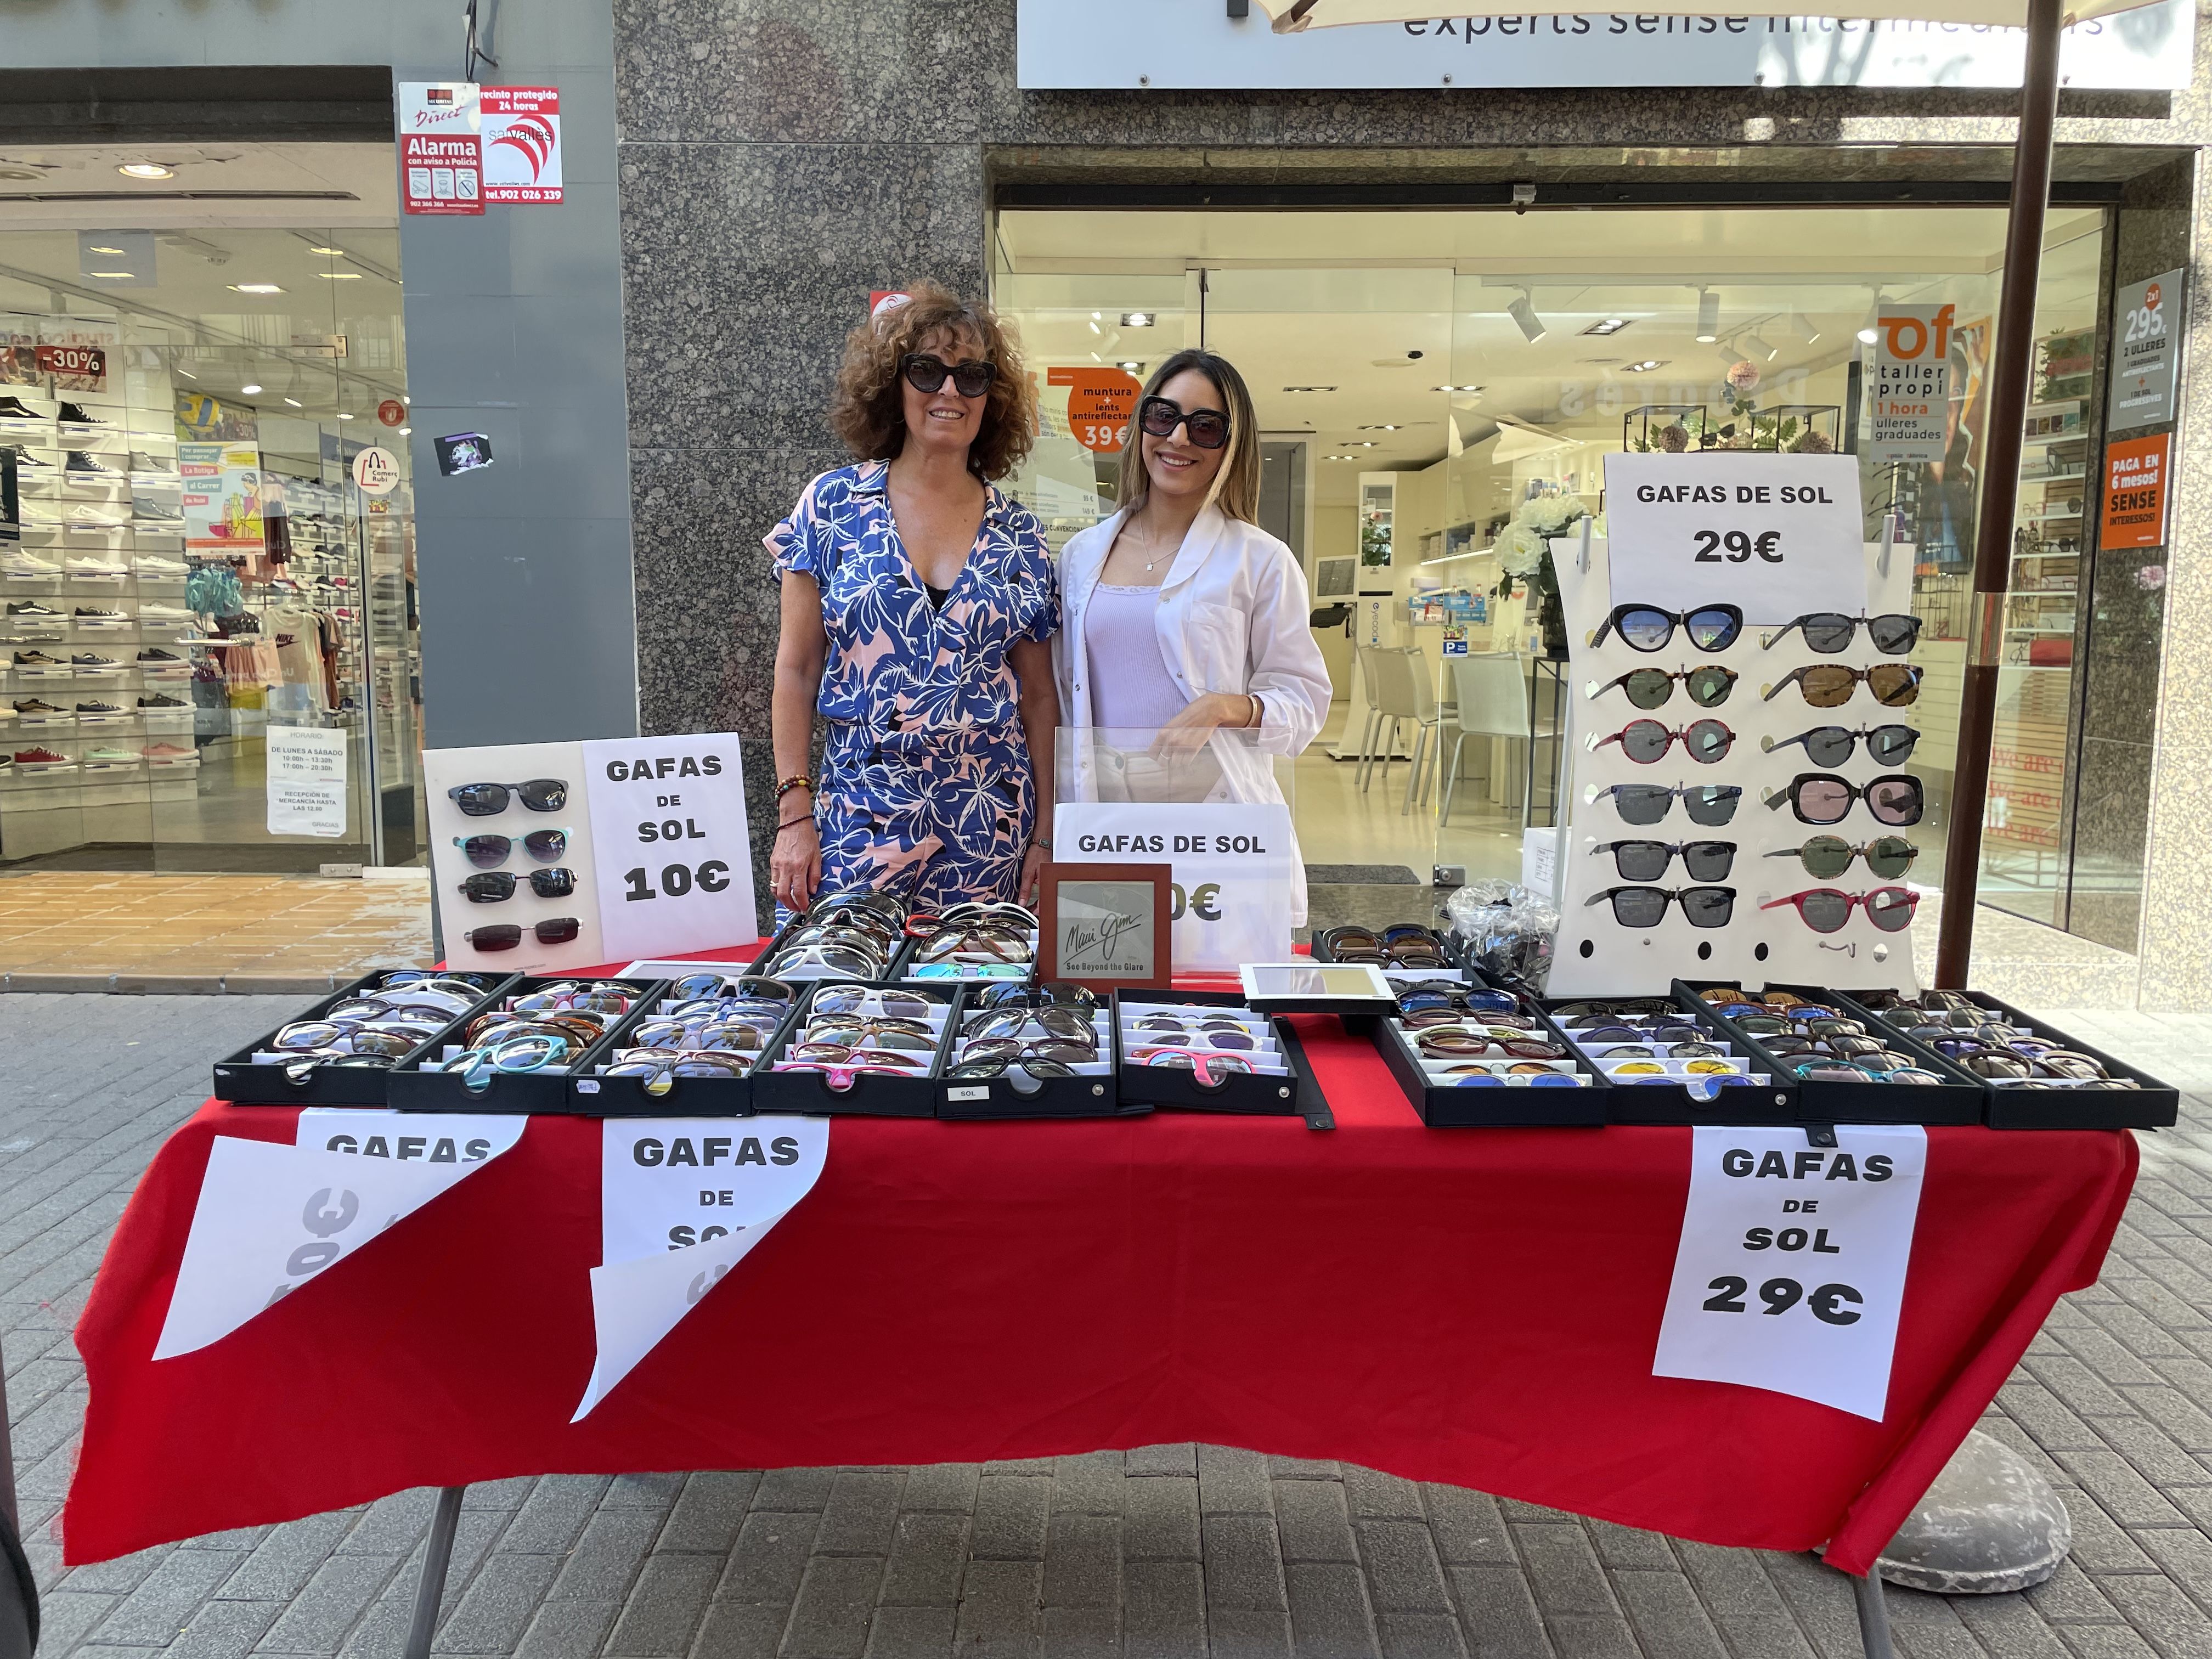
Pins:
<point x="1208" y="428"/>
<point x="1829" y="686"/>
<point x="1708" y="686"/>
<point x="1826" y="909"/>
<point x="495" y="886"/>
<point x="925" y="374"/>
<point x="1646" y="906"/>
<point x="484" y="800"/>
<point x="506" y="935"/>
<point x="1053" y="994"/>
<point x="1647" y="742"/>
<point x="866" y="1000"/>
<point x="1832" y="745"/>
<point x="1827" y="857"/>
<point x="1647" y="860"/>
<point x="1647" y="628"/>
<point x="489" y="852"/>
<point x="1830" y="631"/>
<point x="1712" y="805"/>
<point x="1824" y="798"/>
<point x="1443" y="1045"/>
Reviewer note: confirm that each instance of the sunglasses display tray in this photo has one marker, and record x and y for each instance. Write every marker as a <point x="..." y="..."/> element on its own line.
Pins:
<point x="913" y="970"/>
<point x="1387" y="947"/>
<point x="1092" y="1090"/>
<point x="261" y="1075"/>
<point x="1515" y="1101"/>
<point x="836" y="964"/>
<point x="417" y="1086"/>
<point x="2066" y="1104"/>
<point x="1281" y="1082"/>
<point x="1957" y="1099"/>
<point x="1676" y="1094"/>
<point x="595" y="1093"/>
<point x="838" y="1090"/>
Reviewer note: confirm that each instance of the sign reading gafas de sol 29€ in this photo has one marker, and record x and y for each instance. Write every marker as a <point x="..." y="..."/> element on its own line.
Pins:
<point x="672" y="859"/>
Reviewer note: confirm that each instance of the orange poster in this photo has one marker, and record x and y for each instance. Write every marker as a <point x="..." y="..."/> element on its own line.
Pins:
<point x="2135" y="492"/>
<point x="1101" y="404"/>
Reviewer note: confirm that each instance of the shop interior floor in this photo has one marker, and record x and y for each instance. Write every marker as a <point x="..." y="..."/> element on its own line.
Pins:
<point x="62" y="930"/>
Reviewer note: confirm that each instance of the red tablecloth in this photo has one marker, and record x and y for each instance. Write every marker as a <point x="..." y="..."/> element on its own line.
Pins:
<point x="1473" y="1306"/>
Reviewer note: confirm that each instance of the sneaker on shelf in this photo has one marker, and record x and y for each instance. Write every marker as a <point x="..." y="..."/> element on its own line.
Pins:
<point x="37" y="659"/>
<point x="162" y="700"/>
<point x="153" y="653"/>
<point x="91" y="564"/>
<point x="83" y="464"/>
<point x="93" y="660"/>
<point x="169" y="751"/>
<point x="38" y="513"/>
<point x="108" y="755"/>
<point x="97" y="708"/>
<point x="98" y="517"/>
<point x="19" y="563"/>
<point x="153" y="466"/>
<point x="14" y="409"/>
<point x="153" y="513"/>
<point x="163" y="613"/>
<point x="101" y="613"/>
<point x="78" y="415"/>
<point x="30" y="465"/>
<point x="31" y="610"/>
<point x="153" y="564"/>
<point x="37" y="705"/>
<point x="40" y="755"/>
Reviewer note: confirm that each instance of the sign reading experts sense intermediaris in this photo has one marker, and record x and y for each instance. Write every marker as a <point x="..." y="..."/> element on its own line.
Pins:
<point x="1163" y="44"/>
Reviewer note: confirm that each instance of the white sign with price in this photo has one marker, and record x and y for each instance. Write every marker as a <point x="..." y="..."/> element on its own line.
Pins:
<point x="1776" y="535"/>
<point x="682" y="1201"/>
<point x="1790" y="1273"/>
<point x="1233" y="875"/>
<point x="673" y="862"/>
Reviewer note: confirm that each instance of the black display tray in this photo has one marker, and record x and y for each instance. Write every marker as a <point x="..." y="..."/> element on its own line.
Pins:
<point x="243" y="1081"/>
<point x="767" y="954"/>
<point x="1957" y="1100"/>
<point x="1673" y="1104"/>
<point x="413" y="1089"/>
<point x="991" y="1099"/>
<point x="810" y="1094"/>
<point x="2155" y="1105"/>
<point x="1321" y="951"/>
<point x="1509" y="1107"/>
<point x="685" y="1096"/>
<point x="1252" y="1094"/>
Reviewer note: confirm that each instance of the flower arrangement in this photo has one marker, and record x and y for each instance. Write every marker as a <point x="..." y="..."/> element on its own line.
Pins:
<point x="1524" y="556"/>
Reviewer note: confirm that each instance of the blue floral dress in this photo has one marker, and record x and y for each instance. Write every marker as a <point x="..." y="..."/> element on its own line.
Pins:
<point x="926" y="781"/>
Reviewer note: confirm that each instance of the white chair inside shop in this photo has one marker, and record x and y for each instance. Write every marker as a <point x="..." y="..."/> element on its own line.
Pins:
<point x="1402" y="693"/>
<point x="1493" y="704"/>
<point x="1365" y="655"/>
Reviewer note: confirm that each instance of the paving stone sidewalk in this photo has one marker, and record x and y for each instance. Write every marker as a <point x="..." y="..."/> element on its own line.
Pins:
<point x="1169" y="1551"/>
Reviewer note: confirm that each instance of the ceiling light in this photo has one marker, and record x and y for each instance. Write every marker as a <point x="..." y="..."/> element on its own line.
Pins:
<point x="1455" y="388"/>
<point x="1709" y="316"/>
<point x="1134" y="368"/>
<point x="343" y="415"/>
<point x="1610" y="326"/>
<point x="1385" y="427"/>
<point x="1644" y="368"/>
<point x="1524" y="315"/>
<point x="1365" y="443"/>
<point x="94" y="247"/>
<point x="338" y="252"/>
<point x="1754" y="345"/>
<point x="1308" y="388"/>
<point x="1869" y="330"/>
<point x="187" y="372"/>
<point x="1807" y="330"/>
<point x="146" y="170"/>
<point x="1729" y="355"/>
<point x="295" y="403"/>
<point x="112" y="275"/>
<point x="1095" y="329"/>
<point x="248" y="389"/>
<point x="339" y="276"/>
<point x="1136" y="320"/>
<point x="404" y="430"/>
<point x="1097" y="316"/>
<point x="255" y="288"/>
<point x="405" y="398"/>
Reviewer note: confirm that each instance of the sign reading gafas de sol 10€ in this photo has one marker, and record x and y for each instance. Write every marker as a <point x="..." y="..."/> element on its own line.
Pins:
<point x="673" y="860"/>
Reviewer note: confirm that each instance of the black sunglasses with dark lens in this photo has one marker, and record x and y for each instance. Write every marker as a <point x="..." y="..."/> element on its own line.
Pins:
<point x="1830" y="631"/>
<point x="923" y="373"/>
<point x="489" y="852"/>
<point x="1206" y="428"/>
<point x="484" y="800"/>
<point x="1646" y="906"/>
<point x="495" y="885"/>
<point x="1647" y="628"/>
<point x="506" y="935"/>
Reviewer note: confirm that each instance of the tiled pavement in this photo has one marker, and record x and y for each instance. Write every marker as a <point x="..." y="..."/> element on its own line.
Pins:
<point x="1169" y="1551"/>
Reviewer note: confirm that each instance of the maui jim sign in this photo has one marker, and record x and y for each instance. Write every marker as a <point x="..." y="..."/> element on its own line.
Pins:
<point x="1155" y="45"/>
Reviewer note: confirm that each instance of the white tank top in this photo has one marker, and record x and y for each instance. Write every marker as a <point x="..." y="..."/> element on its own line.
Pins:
<point x="1130" y="687"/>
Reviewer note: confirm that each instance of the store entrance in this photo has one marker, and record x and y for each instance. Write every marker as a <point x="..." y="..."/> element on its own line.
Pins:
<point x="1436" y="381"/>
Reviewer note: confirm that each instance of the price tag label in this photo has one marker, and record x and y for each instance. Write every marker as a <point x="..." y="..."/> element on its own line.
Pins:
<point x="1790" y="1272"/>
<point x="1779" y="535"/>
<point x="673" y="860"/>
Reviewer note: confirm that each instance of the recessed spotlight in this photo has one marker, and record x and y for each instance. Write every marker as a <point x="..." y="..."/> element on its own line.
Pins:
<point x="1308" y="388"/>
<point x="1455" y="388"/>
<point x="248" y="389"/>
<point x="255" y="288"/>
<point x="1610" y="326"/>
<point x="1365" y="443"/>
<point x="334" y="251"/>
<point x="1644" y="368"/>
<point x="146" y="170"/>
<point x="1132" y="368"/>
<point x="343" y="415"/>
<point x="1385" y="427"/>
<point x="339" y="276"/>
<point x="1709" y="316"/>
<point x="295" y="403"/>
<point x="1136" y="320"/>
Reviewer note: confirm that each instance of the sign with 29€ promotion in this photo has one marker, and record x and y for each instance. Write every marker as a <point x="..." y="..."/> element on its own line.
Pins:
<point x="1778" y="535"/>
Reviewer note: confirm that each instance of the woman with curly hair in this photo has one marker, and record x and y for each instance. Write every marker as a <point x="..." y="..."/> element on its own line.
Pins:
<point x="917" y="599"/>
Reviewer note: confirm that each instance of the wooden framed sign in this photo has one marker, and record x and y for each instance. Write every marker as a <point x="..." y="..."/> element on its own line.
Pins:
<point x="1102" y="926"/>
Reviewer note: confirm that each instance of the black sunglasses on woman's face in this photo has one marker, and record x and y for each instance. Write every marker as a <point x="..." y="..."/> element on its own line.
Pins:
<point x="1206" y="428"/>
<point x="923" y="373"/>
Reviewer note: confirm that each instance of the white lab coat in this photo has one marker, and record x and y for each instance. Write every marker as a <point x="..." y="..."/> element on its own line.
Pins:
<point x="1233" y="615"/>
